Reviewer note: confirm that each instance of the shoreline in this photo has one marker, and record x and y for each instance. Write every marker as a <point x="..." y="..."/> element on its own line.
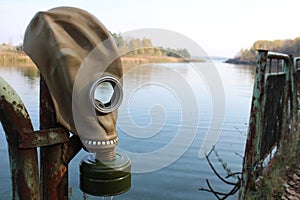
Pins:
<point x="278" y="180"/>
<point x="142" y="59"/>
<point x="11" y="58"/>
<point x="238" y="61"/>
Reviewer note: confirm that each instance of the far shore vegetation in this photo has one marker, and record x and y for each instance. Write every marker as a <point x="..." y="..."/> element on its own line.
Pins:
<point x="133" y="51"/>
<point x="248" y="56"/>
<point x="11" y="55"/>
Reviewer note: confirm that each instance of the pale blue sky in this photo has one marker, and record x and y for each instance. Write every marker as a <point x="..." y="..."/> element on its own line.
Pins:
<point x="220" y="27"/>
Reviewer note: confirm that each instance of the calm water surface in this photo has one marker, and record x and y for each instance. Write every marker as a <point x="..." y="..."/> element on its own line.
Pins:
<point x="155" y="108"/>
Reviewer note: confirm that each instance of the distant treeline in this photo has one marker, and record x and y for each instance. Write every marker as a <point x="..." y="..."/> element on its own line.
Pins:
<point x="10" y="55"/>
<point x="248" y="56"/>
<point x="136" y="47"/>
<point x="134" y="51"/>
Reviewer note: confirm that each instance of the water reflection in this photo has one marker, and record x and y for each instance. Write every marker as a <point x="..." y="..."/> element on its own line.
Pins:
<point x="182" y="179"/>
<point x="28" y="71"/>
<point x="25" y="80"/>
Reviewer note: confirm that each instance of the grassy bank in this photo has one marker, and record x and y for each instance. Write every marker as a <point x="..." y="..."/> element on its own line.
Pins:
<point x="141" y="59"/>
<point x="277" y="177"/>
<point x="134" y="60"/>
<point x="13" y="58"/>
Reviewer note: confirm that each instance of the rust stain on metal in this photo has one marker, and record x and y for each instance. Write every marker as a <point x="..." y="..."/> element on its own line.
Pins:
<point x="43" y="138"/>
<point x="57" y="149"/>
<point x="71" y="149"/>
<point x="23" y="163"/>
<point x="55" y="158"/>
<point x="51" y="160"/>
<point x="274" y="120"/>
<point x="273" y="105"/>
<point x="253" y="141"/>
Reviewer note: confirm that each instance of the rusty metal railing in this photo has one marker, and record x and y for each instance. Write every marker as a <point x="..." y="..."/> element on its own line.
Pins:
<point x="273" y="114"/>
<point x="55" y="157"/>
<point x="23" y="162"/>
<point x="297" y="79"/>
<point x="57" y="149"/>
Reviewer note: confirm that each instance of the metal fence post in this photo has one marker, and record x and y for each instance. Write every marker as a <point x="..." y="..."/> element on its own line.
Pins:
<point x="54" y="172"/>
<point x="23" y="162"/>
<point x="292" y="96"/>
<point x="255" y="127"/>
<point x="55" y="157"/>
<point x="294" y="92"/>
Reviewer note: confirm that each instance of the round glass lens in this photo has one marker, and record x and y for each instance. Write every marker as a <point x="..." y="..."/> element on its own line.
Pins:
<point x="104" y="92"/>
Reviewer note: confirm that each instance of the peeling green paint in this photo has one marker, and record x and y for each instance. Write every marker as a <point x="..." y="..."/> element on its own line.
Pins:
<point x="9" y="94"/>
<point x="258" y="116"/>
<point x="43" y="138"/>
<point x="23" y="163"/>
<point x="56" y="148"/>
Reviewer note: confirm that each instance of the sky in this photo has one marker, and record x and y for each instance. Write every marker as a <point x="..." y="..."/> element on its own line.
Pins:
<point x="220" y="27"/>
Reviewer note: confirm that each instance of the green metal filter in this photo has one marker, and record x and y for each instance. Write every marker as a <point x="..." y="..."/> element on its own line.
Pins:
<point x="105" y="178"/>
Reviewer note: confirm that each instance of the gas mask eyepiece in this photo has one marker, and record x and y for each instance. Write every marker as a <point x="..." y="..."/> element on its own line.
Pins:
<point x="106" y="94"/>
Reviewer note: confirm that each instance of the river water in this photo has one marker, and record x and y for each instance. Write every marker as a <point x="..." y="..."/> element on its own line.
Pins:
<point x="161" y="101"/>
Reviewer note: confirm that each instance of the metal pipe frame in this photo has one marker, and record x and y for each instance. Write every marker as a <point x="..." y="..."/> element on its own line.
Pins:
<point x="252" y="156"/>
<point x="57" y="149"/>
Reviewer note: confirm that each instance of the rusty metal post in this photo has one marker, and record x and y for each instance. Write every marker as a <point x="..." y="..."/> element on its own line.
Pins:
<point x="294" y="91"/>
<point x="296" y="83"/>
<point x="288" y="117"/>
<point x="252" y="151"/>
<point x="292" y="106"/>
<point x="23" y="162"/>
<point x="54" y="172"/>
<point x="55" y="157"/>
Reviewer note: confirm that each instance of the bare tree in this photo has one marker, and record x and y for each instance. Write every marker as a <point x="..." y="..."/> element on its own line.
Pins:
<point x="236" y="185"/>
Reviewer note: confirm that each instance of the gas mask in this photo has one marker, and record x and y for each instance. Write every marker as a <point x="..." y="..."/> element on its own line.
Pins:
<point x="59" y="41"/>
<point x="79" y="61"/>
